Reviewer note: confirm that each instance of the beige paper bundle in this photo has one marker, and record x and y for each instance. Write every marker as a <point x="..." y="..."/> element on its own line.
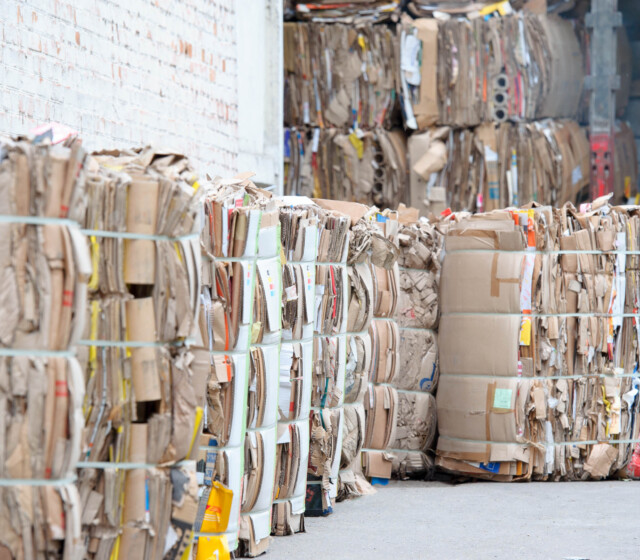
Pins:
<point x="45" y="268"/>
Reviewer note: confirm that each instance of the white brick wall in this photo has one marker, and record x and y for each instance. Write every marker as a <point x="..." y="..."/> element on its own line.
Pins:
<point x="125" y="73"/>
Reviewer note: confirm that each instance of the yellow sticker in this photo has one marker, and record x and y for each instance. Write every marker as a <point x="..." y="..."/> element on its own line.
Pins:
<point x="361" y="42"/>
<point x="525" y="331"/>
<point x="255" y="331"/>
<point x="95" y="264"/>
<point x="627" y="187"/>
<point x="357" y="144"/>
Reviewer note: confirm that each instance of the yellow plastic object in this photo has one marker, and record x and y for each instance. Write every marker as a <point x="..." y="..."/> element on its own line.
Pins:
<point x="216" y="514"/>
<point x="503" y="8"/>
<point x="213" y="548"/>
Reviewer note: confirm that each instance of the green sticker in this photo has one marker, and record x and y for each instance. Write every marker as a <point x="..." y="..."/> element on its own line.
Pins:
<point x="502" y="398"/>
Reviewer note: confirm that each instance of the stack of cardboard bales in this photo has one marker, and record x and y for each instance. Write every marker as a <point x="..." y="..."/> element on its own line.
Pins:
<point x="417" y="314"/>
<point x="45" y="268"/>
<point x="329" y="362"/>
<point x="340" y="103"/>
<point x="239" y="228"/>
<point x="544" y="300"/>
<point x="144" y="404"/>
<point x="483" y="92"/>
<point x="360" y="306"/>
<point x="262" y="398"/>
<point x="497" y="165"/>
<point x="463" y="72"/>
<point x="366" y="167"/>
<point x="299" y="235"/>
<point x="381" y="401"/>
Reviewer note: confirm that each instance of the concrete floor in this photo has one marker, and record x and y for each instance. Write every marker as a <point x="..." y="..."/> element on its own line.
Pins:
<point x="476" y="521"/>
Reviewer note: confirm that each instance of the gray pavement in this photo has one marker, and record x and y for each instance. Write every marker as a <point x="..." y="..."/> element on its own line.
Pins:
<point x="480" y="520"/>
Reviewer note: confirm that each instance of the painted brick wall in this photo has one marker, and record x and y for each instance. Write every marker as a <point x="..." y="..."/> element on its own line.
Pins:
<point x="125" y="73"/>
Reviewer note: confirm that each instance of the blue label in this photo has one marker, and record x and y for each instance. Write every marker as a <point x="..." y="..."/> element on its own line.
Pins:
<point x="380" y="481"/>
<point x="491" y="467"/>
<point x="287" y="143"/>
<point x="493" y="193"/>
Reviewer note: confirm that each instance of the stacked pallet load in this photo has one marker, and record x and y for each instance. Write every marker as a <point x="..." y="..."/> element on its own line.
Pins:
<point x="143" y="410"/>
<point x="381" y="400"/>
<point x="419" y="262"/>
<point x="329" y="362"/>
<point x="230" y="242"/>
<point x="494" y="165"/>
<point x="45" y="269"/>
<point x="519" y="67"/>
<point x="262" y="398"/>
<point x="340" y="107"/>
<point x="367" y="247"/>
<point x="299" y="234"/>
<point x="545" y="300"/>
<point x="502" y="135"/>
<point x="366" y="167"/>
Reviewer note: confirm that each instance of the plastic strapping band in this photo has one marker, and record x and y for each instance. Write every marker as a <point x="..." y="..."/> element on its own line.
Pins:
<point x="104" y="465"/>
<point x="546" y="377"/>
<point x="337" y="407"/>
<point x="263" y="428"/>
<point x="266" y="345"/>
<point x="223" y="448"/>
<point x="37" y="353"/>
<point x="37" y="481"/>
<point x="539" y="315"/>
<point x="131" y="343"/>
<point x="300" y="340"/>
<point x="402" y="390"/>
<point x="231" y="353"/>
<point x="544" y="252"/>
<point x="137" y="236"/>
<point x="287" y="500"/>
<point x="416" y="329"/>
<point x="255" y="512"/>
<point x="251" y="260"/>
<point x="358" y="333"/>
<point x="302" y="263"/>
<point x="544" y="443"/>
<point x="394" y="450"/>
<point x="204" y="535"/>
<point x="37" y="220"/>
<point x="288" y="422"/>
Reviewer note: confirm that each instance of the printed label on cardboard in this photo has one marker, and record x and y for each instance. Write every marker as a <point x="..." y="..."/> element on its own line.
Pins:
<point x="502" y="398"/>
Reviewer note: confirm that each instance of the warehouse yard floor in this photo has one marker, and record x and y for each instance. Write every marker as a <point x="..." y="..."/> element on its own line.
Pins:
<point x="434" y="520"/>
